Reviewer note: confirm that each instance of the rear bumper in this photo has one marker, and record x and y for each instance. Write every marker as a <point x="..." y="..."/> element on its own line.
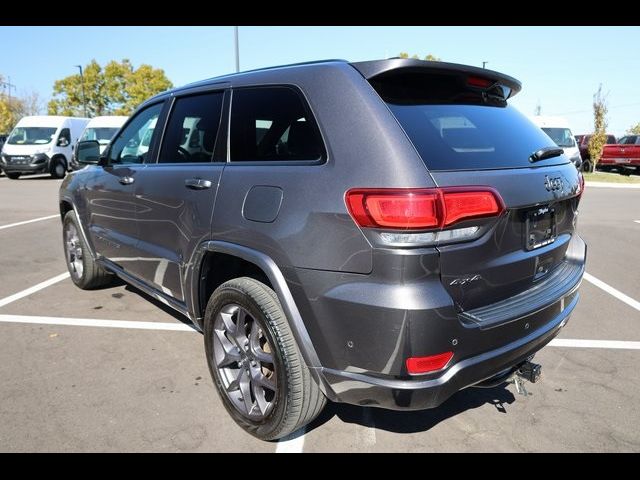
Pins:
<point x="362" y="389"/>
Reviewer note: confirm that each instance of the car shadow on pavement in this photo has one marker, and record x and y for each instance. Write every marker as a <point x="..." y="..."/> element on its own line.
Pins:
<point x="420" y="420"/>
<point x="165" y="308"/>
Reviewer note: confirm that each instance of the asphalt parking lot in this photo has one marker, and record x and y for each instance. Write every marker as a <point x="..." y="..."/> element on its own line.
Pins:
<point x="91" y="386"/>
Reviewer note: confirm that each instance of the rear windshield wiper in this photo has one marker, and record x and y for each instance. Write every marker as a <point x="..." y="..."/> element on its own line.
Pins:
<point x="546" y="152"/>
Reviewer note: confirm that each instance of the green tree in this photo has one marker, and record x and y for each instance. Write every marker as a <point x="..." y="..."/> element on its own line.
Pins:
<point x="429" y="58"/>
<point x="635" y="130"/>
<point x="599" y="137"/>
<point x="118" y="88"/>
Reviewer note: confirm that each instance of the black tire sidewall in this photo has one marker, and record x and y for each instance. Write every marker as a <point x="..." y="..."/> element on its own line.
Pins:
<point x="225" y="295"/>
<point x="58" y="161"/>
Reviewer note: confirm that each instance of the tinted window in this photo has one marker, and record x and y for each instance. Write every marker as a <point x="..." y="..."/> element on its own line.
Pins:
<point x="611" y="140"/>
<point x="272" y="124"/>
<point x="628" y="140"/>
<point x="459" y="137"/>
<point x="132" y="145"/>
<point x="192" y="129"/>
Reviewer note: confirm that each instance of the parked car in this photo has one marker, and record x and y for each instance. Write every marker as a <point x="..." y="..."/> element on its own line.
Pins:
<point x="625" y="155"/>
<point x="586" y="157"/>
<point x="41" y="144"/>
<point x="559" y="131"/>
<point x="379" y="233"/>
<point x="101" y="129"/>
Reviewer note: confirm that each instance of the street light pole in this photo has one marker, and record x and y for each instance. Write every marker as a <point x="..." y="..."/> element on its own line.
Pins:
<point x="484" y="63"/>
<point x="84" y="98"/>
<point x="237" y="48"/>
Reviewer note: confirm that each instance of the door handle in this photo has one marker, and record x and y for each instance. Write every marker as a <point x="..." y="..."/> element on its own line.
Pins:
<point x="197" y="184"/>
<point x="126" y="180"/>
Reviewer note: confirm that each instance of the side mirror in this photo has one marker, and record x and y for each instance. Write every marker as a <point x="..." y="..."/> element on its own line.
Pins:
<point x="88" y="151"/>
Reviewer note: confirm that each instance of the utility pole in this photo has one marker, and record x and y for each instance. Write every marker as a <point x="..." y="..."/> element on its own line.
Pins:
<point x="84" y="98"/>
<point x="8" y="85"/>
<point x="484" y="63"/>
<point x="237" y="48"/>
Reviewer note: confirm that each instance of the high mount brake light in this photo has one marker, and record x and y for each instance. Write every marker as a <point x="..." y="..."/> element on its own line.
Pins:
<point x="421" y="209"/>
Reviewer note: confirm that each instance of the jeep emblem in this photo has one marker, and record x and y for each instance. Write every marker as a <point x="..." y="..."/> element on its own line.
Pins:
<point x="552" y="184"/>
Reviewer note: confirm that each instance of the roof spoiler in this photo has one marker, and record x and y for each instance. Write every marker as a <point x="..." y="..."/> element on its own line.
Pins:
<point x="375" y="68"/>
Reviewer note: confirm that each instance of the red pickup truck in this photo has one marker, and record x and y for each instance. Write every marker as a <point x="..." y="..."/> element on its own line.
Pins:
<point x="625" y="155"/>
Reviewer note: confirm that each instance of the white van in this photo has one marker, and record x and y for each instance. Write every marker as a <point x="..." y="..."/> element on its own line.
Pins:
<point x="558" y="129"/>
<point x="102" y="130"/>
<point x="41" y="144"/>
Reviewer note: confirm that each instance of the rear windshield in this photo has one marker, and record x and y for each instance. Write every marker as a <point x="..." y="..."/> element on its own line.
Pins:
<point x="472" y="137"/>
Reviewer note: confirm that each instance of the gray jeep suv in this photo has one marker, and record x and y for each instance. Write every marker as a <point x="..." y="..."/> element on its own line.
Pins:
<point x="381" y="233"/>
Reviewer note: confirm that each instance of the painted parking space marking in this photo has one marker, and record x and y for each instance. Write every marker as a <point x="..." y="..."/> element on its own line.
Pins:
<point x="93" y="322"/>
<point x="17" y="224"/>
<point x="612" y="291"/>
<point x="35" y="288"/>
<point x="637" y="221"/>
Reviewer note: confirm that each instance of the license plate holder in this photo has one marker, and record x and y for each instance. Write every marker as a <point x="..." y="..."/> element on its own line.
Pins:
<point x="540" y="227"/>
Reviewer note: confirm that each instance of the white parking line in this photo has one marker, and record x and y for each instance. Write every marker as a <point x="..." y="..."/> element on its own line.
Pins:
<point x="35" y="288"/>
<point x="612" y="291"/>
<point x="637" y="221"/>
<point x="94" y="322"/>
<point x="293" y="443"/>
<point x="2" y="227"/>
<point x="616" y="344"/>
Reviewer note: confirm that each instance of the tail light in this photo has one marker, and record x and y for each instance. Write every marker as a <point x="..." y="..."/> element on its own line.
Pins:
<point x="421" y="209"/>
<point x="581" y="177"/>
<point x="432" y="363"/>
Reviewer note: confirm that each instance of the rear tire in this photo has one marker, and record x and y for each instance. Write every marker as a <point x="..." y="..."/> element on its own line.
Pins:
<point x="12" y="175"/>
<point x="255" y="362"/>
<point x="84" y="271"/>
<point x="586" y="166"/>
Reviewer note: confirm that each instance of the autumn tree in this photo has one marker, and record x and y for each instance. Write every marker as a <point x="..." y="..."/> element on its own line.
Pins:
<point x="115" y="89"/>
<point x="635" y="130"/>
<point x="599" y="137"/>
<point x="430" y="58"/>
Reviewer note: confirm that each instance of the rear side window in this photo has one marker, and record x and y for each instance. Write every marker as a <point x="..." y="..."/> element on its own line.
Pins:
<point x="192" y="130"/>
<point x="456" y="126"/>
<point x="272" y="124"/>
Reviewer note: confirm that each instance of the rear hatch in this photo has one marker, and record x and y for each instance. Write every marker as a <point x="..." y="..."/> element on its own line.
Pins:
<point x="459" y="121"/>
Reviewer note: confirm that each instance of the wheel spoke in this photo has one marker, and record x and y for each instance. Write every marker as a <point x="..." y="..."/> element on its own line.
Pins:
<point x="258" y="378"/>
<point x="254" y="345"/>
<point x="261" y="401"/>
<point x="245" y="389"/>
<point x="230" y="352"/>
<point x="228" y="322"/>
<point x="241" y="327"/>
<point x="234" y="385"/>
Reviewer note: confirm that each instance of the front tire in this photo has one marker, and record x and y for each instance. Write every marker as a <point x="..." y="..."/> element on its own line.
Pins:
<point x="12" y="175"/>
<point x="58" y="168"/>
<point x="84" y="271"/>
<point x="255" y="363"/>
